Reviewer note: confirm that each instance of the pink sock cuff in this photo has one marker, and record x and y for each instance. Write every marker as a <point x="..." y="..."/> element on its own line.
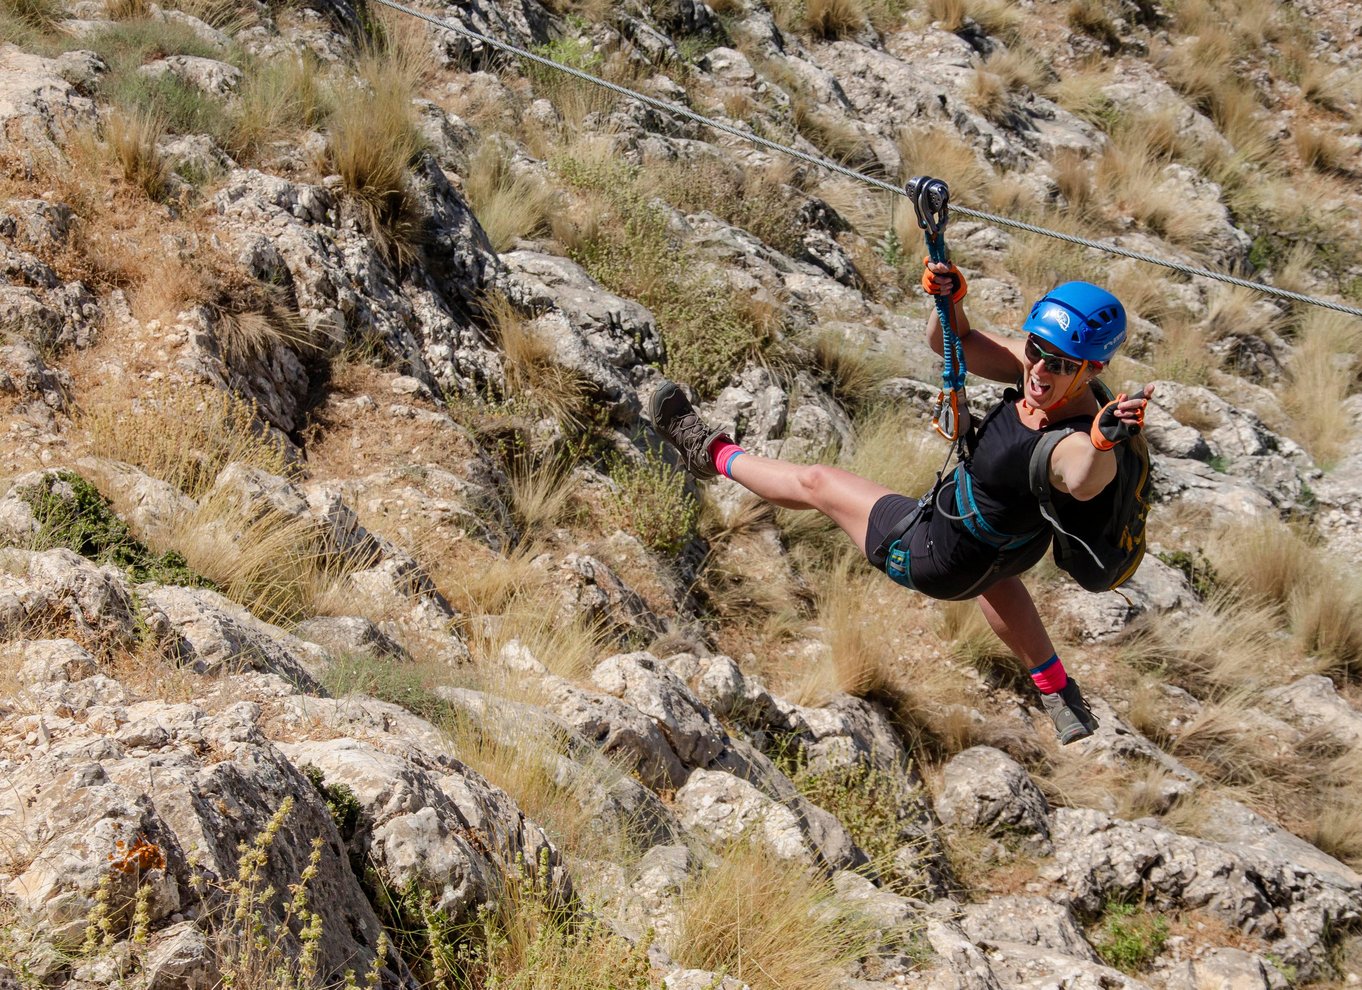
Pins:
<point x="1050" y="677"/>
<point x="724" y="450"/>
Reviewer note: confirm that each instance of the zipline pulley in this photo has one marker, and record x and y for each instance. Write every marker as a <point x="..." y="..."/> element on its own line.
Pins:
<point x="931" y="200"/>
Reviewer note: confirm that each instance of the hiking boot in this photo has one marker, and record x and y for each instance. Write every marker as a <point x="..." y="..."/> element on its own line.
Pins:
<point x="1069" y="712"/>
<point x="677" y="421"/>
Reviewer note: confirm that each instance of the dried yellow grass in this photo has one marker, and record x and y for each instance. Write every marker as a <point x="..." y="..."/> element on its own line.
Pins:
<point x="1324" y="370"/>
<point x="183" y="434"/>
<point x="943" y="153"/>
<point x="372" y="141"/>
<point x="856" y="635"/>
<point x="525" y="757"/>
<point x="1231" y="645"/>
<point x="768" y="922"/>
<point x="1079" y="91"/>
<point x="1263" y="558"/>
<point x="509" y="205"/>
<point x="831" y="19"/>
<point x="272" y="563"/>
<point x="535" y="381"/>
<point x="131" y="140"/>
<point x="1183" y="355"/>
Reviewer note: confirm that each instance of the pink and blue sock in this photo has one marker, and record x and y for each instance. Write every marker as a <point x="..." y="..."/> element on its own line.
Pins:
<point x="725" y="452"/>
<point x="1050" y="677"/>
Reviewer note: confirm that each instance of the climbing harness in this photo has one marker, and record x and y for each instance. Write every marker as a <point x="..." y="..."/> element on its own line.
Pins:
<point x="931" y="201"/>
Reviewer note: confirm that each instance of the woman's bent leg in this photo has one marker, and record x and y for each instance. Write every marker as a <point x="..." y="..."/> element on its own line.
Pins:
<point x="843" y="497"/>
<point x="1013" y="617"/>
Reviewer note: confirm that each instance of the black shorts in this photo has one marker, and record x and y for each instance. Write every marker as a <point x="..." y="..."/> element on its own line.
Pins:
<point x="936" y="555"/>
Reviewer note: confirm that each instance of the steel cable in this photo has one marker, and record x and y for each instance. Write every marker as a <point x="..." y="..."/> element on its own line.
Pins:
<point x="870" y="180"/>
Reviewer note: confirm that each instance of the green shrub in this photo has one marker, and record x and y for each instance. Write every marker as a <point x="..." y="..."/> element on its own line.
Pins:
<point x="629" y="248"/>
<point x="74" y="515"/>
<point x="1129" y="937"/>
<point x="185" y="109"/>
<point x="651" y="501"/>
<point x="1199" y="571"/>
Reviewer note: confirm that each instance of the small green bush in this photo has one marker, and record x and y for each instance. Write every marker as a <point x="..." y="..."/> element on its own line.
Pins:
<point x="1200" y="573"/>
<point x="631" y="250"/>
<point x="869" y="801"/>
<point x="651" y="501"/>
<point x="74" y="515"/>
<point x="1129" y="937"/>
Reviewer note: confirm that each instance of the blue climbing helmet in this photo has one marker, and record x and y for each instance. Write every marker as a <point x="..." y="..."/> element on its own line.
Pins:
<point x="1081" y="320"/>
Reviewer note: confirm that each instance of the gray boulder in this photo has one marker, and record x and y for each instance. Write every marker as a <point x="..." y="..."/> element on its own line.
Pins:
<point x="987" y="789"/>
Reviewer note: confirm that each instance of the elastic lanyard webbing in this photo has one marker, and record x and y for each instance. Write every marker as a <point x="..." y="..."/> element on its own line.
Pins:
<point x="952" y="353"/>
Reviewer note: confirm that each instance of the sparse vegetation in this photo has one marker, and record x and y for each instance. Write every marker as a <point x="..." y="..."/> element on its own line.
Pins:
<point x="183" y="434"/>
<point x="624" y="241"/>
<point x="1130" y="937"/>
<point x="509" y="204"/>
<point x="766" y="921"/>
<point x="650" y="500"/>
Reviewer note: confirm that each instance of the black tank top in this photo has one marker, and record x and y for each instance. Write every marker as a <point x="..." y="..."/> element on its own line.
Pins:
<point x="1000" y="465"/>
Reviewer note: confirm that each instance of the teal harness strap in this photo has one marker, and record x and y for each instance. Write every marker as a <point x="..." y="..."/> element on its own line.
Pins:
<point x="975" y="523"/>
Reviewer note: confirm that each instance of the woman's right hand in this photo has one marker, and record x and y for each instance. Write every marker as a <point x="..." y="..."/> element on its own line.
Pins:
<point x="943" y="279"/>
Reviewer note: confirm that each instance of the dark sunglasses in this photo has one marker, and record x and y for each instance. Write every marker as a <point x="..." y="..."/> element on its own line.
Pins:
<point x="1054" y="363"/>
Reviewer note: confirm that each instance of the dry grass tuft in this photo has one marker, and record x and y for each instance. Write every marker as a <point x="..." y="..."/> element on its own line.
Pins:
<point x="509" y="204"/>
<point x="768" y="922"/>
<point x="1183" y="356"/>
<point x="1229" y="646"/>
<point x="1265" y="558"/>
<point x="182" y="434"/>
<point x="268" y="561"/>
<point x="277" y="99"/>
<point x="942" y="153"/>
<point x="1320" y="149"/>
<point x="1221" y="743"/>
<point x="857" y="660"/>
<point x="1323" y="372"/>
<point x="972" y="641"/>
<point x="535" y="380"/>
<point x="372" y="141"/>
<point x="559" y="786"/>
<point x="127" y="10"/>
<point x="1080" y="92"/>
<point x="831" y="19"/>
<point x="30" y="15"/>
<point x="857" y="376"/>
<point x="131" y="139"/>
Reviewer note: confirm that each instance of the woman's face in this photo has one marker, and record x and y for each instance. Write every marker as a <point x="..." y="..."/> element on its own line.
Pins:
<point x="1049" y="374"/>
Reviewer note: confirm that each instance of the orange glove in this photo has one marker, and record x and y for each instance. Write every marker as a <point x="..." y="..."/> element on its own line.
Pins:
<point x="1108" y="429"/>
<point x="933" y="284"/>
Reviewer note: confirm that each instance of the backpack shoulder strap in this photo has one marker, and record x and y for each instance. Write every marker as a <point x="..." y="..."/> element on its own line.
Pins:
<point x="1039" y="475"/>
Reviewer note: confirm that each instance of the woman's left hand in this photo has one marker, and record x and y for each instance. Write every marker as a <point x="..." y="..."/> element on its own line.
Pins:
<point x="1121" y="418"/>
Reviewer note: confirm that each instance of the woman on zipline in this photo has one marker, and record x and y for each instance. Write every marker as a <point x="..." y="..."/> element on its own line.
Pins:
<point x="975" y="533"/>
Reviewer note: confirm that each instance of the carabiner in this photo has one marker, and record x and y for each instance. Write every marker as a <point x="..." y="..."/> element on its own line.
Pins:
<point x="949" y="420"/>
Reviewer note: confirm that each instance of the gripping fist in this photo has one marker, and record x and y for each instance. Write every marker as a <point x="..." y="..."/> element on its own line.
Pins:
<point x="943" y="280"/>
<point x="1120" y="419"/>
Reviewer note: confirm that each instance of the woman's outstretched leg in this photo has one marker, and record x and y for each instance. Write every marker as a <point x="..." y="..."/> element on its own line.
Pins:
<point x="1012" y="614"/>
<point x="843" y="497"/>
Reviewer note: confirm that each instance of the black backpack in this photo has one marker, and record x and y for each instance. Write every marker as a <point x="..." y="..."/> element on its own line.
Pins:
<point x="1101" y="542"/>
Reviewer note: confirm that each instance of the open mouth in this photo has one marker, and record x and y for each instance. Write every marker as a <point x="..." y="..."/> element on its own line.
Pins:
<point x="1039" y="389"/>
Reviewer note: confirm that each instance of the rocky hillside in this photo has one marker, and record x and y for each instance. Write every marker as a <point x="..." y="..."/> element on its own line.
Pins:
<point x="356" y="631"/>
